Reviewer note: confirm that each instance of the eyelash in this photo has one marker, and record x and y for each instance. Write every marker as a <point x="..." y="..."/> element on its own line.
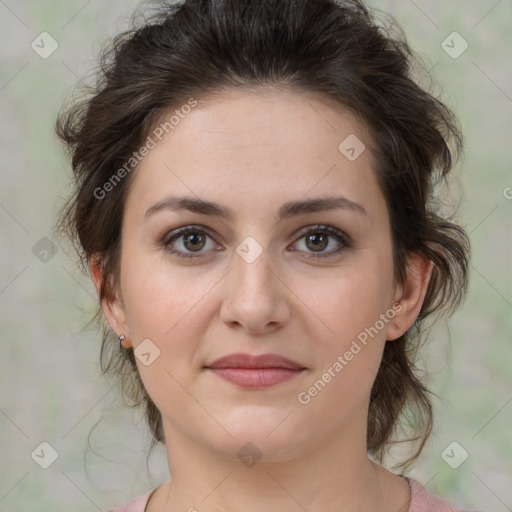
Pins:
<point x="323" y="229"/>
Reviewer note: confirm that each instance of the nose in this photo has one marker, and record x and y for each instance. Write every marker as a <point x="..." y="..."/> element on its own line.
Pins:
<point x="255" y="296"/>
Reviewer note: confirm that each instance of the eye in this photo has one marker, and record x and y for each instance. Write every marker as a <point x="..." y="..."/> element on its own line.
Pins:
<point x="317" y="238"/>
<point x="190" y="240"/>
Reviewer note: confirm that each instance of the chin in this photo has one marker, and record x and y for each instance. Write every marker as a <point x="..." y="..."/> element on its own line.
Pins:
<point x="266" y="433"/>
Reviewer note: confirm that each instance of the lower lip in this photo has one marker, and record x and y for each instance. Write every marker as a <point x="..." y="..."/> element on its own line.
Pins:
<point x="255" y="377"/>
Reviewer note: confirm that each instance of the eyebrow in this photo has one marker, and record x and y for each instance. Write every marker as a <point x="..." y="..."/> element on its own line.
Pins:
<point x="287" y="210"/>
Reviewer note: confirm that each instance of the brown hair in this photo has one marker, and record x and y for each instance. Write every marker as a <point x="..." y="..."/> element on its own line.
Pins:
<point x="334" y="48"/>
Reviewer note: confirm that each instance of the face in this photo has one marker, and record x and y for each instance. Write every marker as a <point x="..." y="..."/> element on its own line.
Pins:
<point x="278" y="274"/>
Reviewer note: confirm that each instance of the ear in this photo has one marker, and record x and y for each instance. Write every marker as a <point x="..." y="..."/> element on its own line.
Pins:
<point x="112" y="305"/>
<point x="410" y="296"/>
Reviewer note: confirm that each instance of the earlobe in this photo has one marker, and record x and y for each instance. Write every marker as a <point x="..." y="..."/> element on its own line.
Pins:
<point x="410" y="296"/>
<point x="111" y="304"/>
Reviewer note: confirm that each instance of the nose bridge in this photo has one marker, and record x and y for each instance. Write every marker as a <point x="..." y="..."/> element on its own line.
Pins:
<point x="252" y="267"/>
<point x="254" y="297"/>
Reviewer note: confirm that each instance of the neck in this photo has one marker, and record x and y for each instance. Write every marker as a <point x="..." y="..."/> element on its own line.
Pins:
<point x="336" y="476"/>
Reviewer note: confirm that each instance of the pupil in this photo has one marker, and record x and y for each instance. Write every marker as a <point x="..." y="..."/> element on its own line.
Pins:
<point x="191" y="238"/>
<point x="316" y="238"/>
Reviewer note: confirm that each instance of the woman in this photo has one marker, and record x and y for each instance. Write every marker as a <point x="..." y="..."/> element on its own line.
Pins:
<point x="256" y="202"/>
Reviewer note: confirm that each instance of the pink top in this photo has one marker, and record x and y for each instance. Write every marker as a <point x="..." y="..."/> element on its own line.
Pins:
<point x="421" y="501"/>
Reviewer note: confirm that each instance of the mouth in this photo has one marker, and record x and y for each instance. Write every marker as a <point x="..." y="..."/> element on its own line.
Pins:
<point x="255" y="372"/>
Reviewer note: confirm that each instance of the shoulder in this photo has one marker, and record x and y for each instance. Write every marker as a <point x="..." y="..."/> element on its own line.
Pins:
<point x="424" y="501"/>
<point x="137" y="504"/>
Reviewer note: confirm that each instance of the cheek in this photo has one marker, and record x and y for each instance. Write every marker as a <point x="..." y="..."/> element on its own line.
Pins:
<point x="165" y="307"/>
<point x="349" y="352"/>
<point x="156" y="296"/>
<point x="351" y="300"/>
<point x="170" y="306"/>
<point x="350" y="319"/>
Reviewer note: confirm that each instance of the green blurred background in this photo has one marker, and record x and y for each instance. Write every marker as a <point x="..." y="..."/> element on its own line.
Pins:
<point x="51" y="389"/>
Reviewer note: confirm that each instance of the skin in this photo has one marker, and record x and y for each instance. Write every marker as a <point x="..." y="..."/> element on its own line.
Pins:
<point x="252" y="152"/>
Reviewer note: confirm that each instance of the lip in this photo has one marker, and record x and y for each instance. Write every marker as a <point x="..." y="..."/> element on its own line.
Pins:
<point x="250" y="371"/>
<point x="241" y="360"/>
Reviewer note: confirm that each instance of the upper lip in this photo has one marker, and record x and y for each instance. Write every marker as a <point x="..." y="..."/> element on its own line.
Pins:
<point x="241" y="360"/>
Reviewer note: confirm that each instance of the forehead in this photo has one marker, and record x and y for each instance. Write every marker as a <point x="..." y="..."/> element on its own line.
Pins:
<point x="269" y="117"/>
<point x="267" y="144"/>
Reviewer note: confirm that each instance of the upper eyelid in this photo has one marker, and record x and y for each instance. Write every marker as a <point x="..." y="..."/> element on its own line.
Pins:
<point x="207" y="230"/>
<point x="300" y="233"/>
<point x="321" y="227"/>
